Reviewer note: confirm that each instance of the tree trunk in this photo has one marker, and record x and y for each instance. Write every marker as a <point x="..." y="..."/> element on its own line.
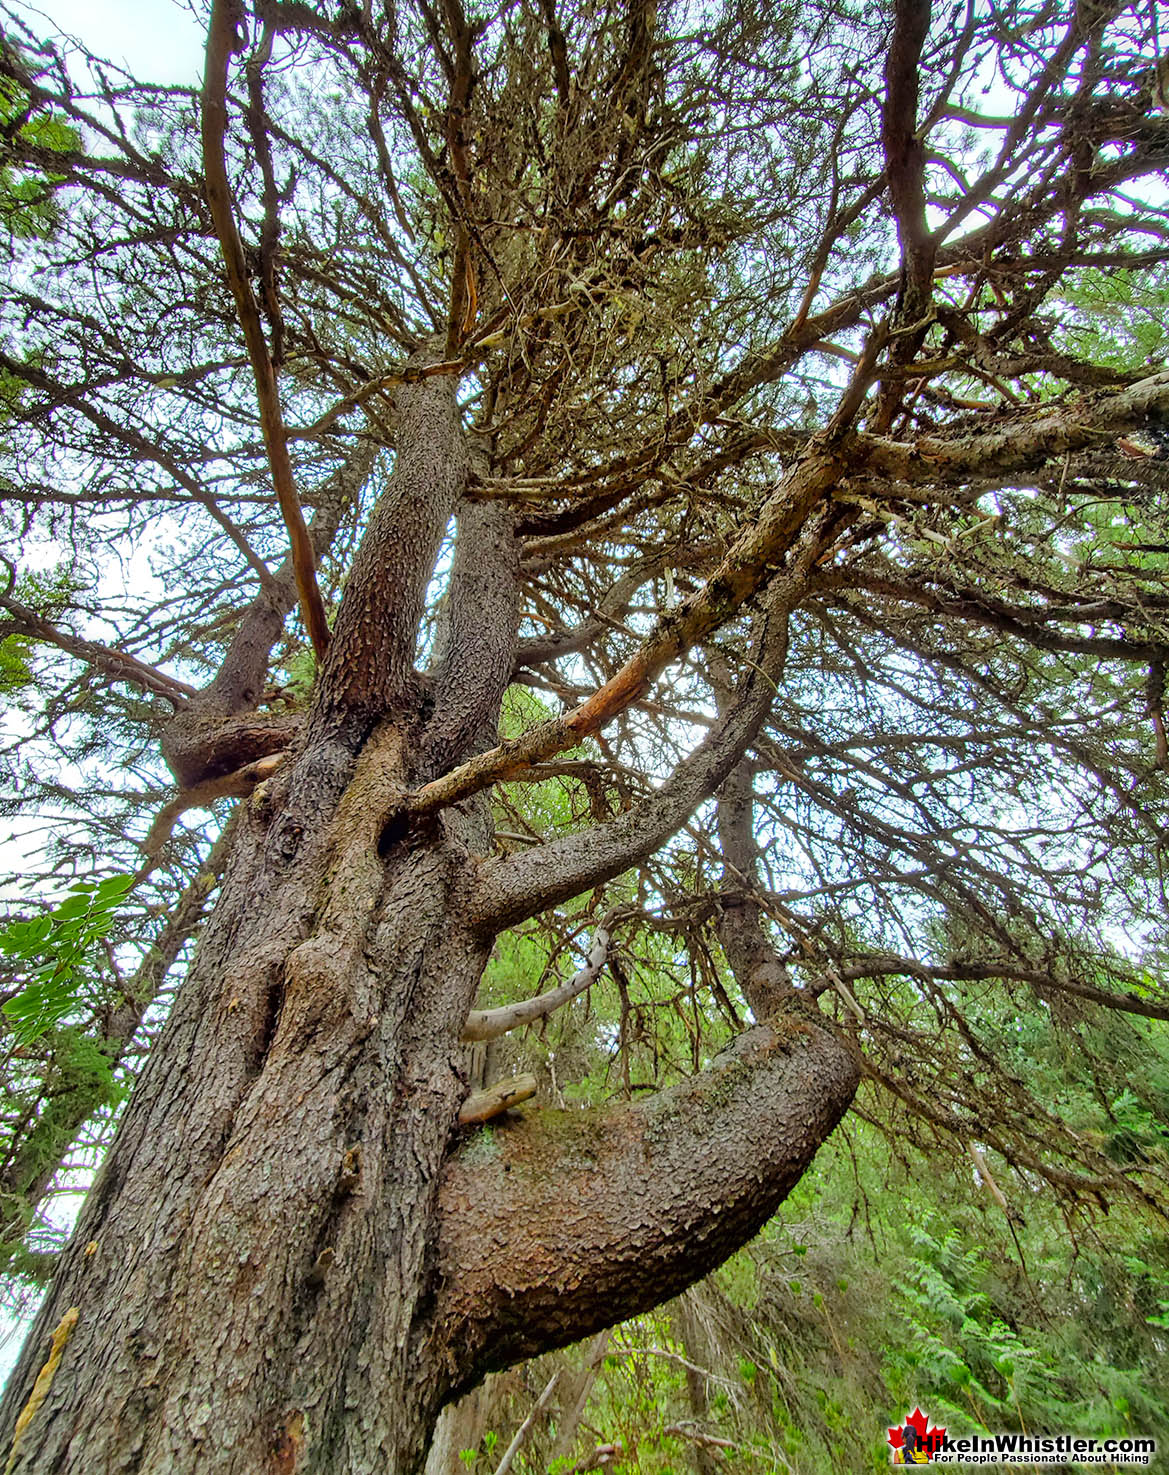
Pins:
<point x="249" y="1267"/>
<point x="293" y="1256"/>
<point x="462" y="1426"/>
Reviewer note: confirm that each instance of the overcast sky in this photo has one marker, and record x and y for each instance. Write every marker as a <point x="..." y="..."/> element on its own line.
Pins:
<point x="157" y="40"/>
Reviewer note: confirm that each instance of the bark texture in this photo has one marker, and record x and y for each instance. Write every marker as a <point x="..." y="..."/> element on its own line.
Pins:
<point x="294" y="1256"/>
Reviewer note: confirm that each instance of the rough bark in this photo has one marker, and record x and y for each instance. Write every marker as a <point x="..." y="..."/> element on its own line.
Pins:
<point x="256" y="1271"/>
<point x="294" y="1256"/>
<point x="369" y="670"/>
<point x="558" y="1221"/>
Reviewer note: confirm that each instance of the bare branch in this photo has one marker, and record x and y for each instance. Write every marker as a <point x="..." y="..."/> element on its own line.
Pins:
<point x="489" y="1024"/>
<point x="222" y="41"/>
<point x="117" y="664"/>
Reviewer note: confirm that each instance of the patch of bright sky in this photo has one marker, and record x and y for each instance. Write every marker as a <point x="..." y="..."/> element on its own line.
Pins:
<point x="156" y="40"/>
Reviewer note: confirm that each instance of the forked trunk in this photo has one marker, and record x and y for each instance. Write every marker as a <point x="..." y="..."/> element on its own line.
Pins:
<point x="293" y="1255"/>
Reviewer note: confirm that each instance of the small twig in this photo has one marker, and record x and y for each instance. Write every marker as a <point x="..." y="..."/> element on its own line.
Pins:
<point x="525" y="1428"/>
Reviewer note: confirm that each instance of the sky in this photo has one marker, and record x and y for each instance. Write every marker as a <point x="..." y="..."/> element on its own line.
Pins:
<point x="158" y="40"/>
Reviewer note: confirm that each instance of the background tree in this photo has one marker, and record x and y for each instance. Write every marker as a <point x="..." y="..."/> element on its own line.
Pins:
<point x="708" y="418"/>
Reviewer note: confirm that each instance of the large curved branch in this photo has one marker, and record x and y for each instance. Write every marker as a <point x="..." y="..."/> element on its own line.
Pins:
<point x="568" y="1221"/>
<point x="490" y="1024"/>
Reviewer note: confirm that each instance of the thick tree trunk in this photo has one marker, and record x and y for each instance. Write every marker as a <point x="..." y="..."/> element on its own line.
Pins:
<point x="293" y="1256"/>
<point x="250" y="1267"/>
<point x="280" y="1268"/>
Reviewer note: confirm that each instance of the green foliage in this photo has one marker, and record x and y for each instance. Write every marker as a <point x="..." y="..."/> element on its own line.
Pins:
<point x="1118" y="317"/>
<point x="16" y="673"/>
<point x="68" y="1079"/>
<point x="544" y="806"/>
<point x="27" y="206"/>
<point x="49" y="954"/>
<point x="302" y="672"/>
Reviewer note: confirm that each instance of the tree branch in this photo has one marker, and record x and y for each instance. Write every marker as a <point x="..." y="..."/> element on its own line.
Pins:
<point x="117" y="664"/>
<point x="525" y="1428"/>
<point x="959" y="969"/>
<point x="905" y="155"/>
<point x="489" y="1024"/>
<point x="1024" y="442"/>
<point x="758" y="970"/>
<point x="369" y="669"/>
<point x="522" y="885"/>
<point x="745" y="570"/>
<point x="222" y="41"/>
<point x="573" y="1220"/>
<point x="482" y="613"/>
<point x="202" y="742"/>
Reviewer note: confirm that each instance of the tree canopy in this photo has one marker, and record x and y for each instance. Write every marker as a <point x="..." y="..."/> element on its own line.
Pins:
<point x="735" y="435"/>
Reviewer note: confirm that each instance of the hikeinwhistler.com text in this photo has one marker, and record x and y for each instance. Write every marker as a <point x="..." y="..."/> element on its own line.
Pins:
<point x="1056" y="1449"/>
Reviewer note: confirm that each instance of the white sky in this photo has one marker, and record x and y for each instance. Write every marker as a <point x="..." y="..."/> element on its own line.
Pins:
<point x="157" y="40"/>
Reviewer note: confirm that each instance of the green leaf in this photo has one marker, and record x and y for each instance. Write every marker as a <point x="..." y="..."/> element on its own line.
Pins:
<point x="53" y="949"/>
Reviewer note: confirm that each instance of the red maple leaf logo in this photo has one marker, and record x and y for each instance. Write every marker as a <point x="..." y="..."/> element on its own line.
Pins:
<point x="925" y="1438"/>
